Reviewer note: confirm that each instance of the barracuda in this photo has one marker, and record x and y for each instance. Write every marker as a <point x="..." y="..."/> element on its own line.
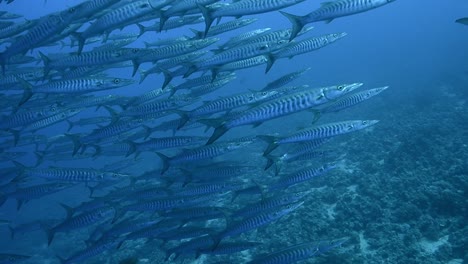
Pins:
<point x="243" y="7"/>
<point x="319" y="132"/>
<point x="282" y="106"/>
<point x="331" y="10"/>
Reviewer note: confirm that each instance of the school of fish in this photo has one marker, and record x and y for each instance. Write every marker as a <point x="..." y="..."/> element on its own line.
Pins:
<point x="171" y="164"/>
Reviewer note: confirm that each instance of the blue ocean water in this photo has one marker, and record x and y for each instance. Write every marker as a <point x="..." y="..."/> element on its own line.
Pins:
<point x="399" y="190"/>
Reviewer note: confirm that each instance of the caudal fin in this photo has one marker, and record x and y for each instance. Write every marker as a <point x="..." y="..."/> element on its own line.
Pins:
<point x="208" y="18"/>
<point x="297" y="24"/>
<point x="272" y="145"/>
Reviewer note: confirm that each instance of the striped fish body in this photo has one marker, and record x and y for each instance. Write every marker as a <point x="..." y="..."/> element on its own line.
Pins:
<point x="250" y="7"/>
<point x="16" y="28"/>
<point x="85" y="219"/>
<point x="182" y="6"/>
<point x="168" y="142"/>
<point x="70" y="175"/>
<point x="240" y="53"/>
<point x="77" y="86"/>
<point x="289" y="104"/>
<point x="165" y="65"/>
<point x="241" y="8"/>
<point x="228" y="26"/>
<point x="111" y="130"/>
<point x="163" y="204"/>
<point x="156" y="106"/>
<point x="211" y="87"/>
<point x="176" y="49"/>
<point x="90" y="58"/>
<point x="118" y="18"/>
<point x="25" y="118"/>
<point x="277" y="35"/>
<point x="331" y="10"/>
<point x="202" y="189"/>
<point x="195" y="213"/>
<point x="241" y="38"/>
<point x="89" y="8"/>
<point x="352" y="100"/>
<point x="37" y="191"/>
<point x="43" y="30"/>
<point x="171" y="24"/>
<point x="243" y="64"/>
<point x="53" y="119"/>
<point x="308" y="45"/>
<point x="327" y="130"/>
<point x="231" y="102"/>
<point x="283" y="80"/>
<point x="297" y="253"/>
<point x="176" y="61"/>
<point x="206" y="152"/>
<point x="253" y="222"/>
<point x="301" y="176"/>
<point x="199" y="81"/>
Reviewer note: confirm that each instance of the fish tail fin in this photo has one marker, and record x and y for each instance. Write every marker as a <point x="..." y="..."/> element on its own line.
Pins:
<point x="220" y="128"/>
<point x="317" y="115"/>
<point x="217" y="133"/>
<point x="272" y="145"/>
<point x="270" y="61"/>
<point x="165" y="162"/>
<point x="20" y="166"/>
<point x="270" y="161"/>
<point x="39" y="157"/>
<point x="3" y="199"/>
<point x="46" y="62"/>
<point x="16" y="135"/>
<point x="61" y="259"/>
<point x="50" y="235"/>
<point x="198" y="33"/>
<point x="12" y="232"/>
<point x="141" y="28"/>
<point x="297" y="23"/>
<point x="70" y="125"/>
<point x="184" y="118"/>
<point x="132" y="148"/>
<point x="191" y="69"/>
<point x="136" y="65"/>
<point x="27" y="90"/>
<point x="167" y="77"/>
<point x="81" y="41"/>
<point x="208" y="18"/>
<point x="143" y="75"/>
<point x="2" y="62"/>
<point x="162" y="20"/>
<point x="76" y="142"/>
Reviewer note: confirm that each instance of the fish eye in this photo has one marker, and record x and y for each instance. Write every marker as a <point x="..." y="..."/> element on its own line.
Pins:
<point x="135" y="50"/>
<point x="341" y="87"/>
<point x="72" y="10"/>
<point x="264" y="93"/>
<point x="364" y="122"/>
<point x="116" y="81"/>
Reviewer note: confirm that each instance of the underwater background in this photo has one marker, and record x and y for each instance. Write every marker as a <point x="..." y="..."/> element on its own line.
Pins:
<point x="398" y="193"/>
